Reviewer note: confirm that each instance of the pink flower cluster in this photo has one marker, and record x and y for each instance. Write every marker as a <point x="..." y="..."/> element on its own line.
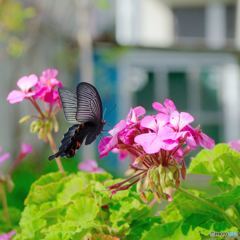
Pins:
<point x="157" y="145"/>
<point x="34" y="87"/>
<point x="167" y="133"/>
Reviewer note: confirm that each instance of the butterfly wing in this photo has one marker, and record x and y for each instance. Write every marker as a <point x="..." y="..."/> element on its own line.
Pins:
<point x="84" y="110"/>
<point x="69" y="103"/>
<point x="89" y="104"/>
<point x="72" y="140"/>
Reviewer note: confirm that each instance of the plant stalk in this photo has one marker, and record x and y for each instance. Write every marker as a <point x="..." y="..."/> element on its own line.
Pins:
<point x="54" y="149"/>
<point x="3" y="199"/>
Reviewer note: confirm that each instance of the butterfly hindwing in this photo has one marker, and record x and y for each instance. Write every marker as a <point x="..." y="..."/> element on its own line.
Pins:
<point x="72" y="140"/>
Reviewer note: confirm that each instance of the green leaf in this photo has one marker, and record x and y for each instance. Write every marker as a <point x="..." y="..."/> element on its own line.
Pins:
<point x="160" y="231"/>
<point x="222" y="163"/>
<point x="82" y="211"/>
<point x="79" y="206"/>
<point x="228" y="199"/>
<point x="141" y="226"/>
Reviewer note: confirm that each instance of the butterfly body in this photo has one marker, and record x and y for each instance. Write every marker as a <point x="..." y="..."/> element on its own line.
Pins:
<point x="84" y="110"/>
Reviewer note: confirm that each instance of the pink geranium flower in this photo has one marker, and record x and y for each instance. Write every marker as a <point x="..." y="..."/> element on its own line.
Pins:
<point x="47" y="87"/>
<point x="157" y="145"/>
<point x="25" y="84"/>
<point x="90" y="166"/>
<point x="7" y="236"/>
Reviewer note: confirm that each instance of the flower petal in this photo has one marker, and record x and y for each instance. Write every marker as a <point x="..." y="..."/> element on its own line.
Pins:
<point x="118" y="128"/>
<point x="205" y="141"/>
<point x="4" y="157"/>
<point x="180" y="120"/>
<point x="149" y="122"/>
<point x="159" y="107"/>
<point x="15" y="96"/>
<point x="169" y="104"/>
<point x="235" y="144"/>
<point x="150" y="142"/>
<point x="27" y="82"/>
<point x="50" y="73"/>
<point x="26" y="149"/>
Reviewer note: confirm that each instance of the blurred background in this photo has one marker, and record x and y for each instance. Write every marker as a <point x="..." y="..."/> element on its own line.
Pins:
<point x="134" y="51"/>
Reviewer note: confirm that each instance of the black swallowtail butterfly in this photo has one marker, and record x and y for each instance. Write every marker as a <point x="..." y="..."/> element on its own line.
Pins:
<point x="82" y="108"/>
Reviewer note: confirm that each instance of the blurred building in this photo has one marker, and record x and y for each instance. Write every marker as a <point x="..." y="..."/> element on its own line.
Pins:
<point x="187" y="51"/>
<point x="144" y="51"/>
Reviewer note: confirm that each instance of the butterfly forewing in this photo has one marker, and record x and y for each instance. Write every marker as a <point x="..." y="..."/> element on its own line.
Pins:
<point x="89" y="104"/>
<point x="69" y="103"/>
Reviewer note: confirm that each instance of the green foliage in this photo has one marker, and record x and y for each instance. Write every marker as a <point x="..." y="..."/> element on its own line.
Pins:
<point x="12" y="223"/>
<point x="199" y="212"/>
<point x="79" y="205"/>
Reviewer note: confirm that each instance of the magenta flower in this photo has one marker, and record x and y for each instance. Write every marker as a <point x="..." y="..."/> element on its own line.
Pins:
<point x="7" y="236"/>
<point x="157" y="146"/>
<point x="90" y="166"/>
<point x="48" y="85"/>
<point x="26" y="85"/>
<point x="108" y="143"/>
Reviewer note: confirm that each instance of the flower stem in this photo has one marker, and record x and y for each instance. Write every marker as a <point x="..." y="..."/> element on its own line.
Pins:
<point x="54" y="149"/>
<point x="3" y="199"/>
<point x="211" y="205"/>
<point x="35" y="104"/>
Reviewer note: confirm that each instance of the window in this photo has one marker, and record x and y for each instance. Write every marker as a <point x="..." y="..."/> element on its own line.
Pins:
<point x="207" y="109"/>
<point x="190" y="22"/>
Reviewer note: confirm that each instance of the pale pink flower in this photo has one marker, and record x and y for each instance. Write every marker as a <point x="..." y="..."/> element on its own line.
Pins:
<point x="235" y="144"/>
<point x="4" y="157"/>
<point x="26" y="85"/>
<point x="7" y="236"/>
<point x="90" y="166"/>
